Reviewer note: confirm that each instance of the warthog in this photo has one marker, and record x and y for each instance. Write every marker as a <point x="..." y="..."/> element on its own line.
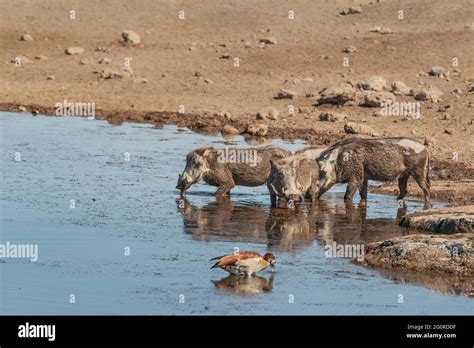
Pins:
<point x="228" y="167"/>
<point x="355" y="161"/>
<point x="292" y="178"/>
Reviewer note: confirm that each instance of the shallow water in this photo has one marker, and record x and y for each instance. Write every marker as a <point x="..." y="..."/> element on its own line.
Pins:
<point x="132" y="204"/>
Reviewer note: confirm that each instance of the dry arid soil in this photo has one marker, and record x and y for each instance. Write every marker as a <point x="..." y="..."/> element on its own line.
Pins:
<point x="207" y="64"/>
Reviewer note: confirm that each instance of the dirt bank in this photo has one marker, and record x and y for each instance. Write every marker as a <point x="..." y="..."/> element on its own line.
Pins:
<point x="209" y="63"/>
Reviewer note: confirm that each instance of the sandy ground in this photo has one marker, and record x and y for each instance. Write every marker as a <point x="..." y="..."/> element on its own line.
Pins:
<point x="191" y="63"/>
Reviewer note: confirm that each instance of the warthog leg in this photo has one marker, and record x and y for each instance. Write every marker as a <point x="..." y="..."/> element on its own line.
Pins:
<point x="402" y="186"/>
<point x="425" y="187"/>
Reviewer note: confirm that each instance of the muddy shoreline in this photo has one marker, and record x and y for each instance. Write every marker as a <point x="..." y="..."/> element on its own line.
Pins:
<point x="452" y="182"/>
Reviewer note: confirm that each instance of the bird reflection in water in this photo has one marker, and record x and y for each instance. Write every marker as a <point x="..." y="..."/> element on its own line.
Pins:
<point x="245" y="286"/>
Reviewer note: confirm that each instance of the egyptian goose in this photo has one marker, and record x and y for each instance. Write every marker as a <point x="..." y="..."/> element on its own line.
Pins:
<point x="245" y="262"/>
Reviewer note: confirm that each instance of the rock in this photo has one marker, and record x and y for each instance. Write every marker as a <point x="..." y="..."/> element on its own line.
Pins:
<point x="448" y="131"/>
<point x="35" y="112"/>
<point x="114" y="74"/>
<point x="331" y="117"/>
<point x="26" y="37"/>
<point x="131" y="37"/>
<point x="50" y="77"/>
<point x="21" y="108"/>
<point x="438" y="71"/>
<point x="257" y="129"/>
<point x="336" y="95"/>
<point x="23" y="60"/>
<point x="470" y="87"/>
<point x="105" y="60"/>
<point x="431" y="93"/>
<point x="349" y="49"/>
<point x="351" y="10"/>
<point x="399" y="88"/>
<point x="115" y="119"/>
<point x="421" y="253"/>
<point x="429" y="141"/>
<point x="375" y="83"/>
<point x="85" y="61"/>
<point x="357" y="128"/>
<point x="269" y="41"/>
<point x="103" y="49"/>
<point x="140" y="80"/>
<point x="268" y="113"/>
<point x="381" y="30"/>
<point x="74" y="50"/>
<point x="228" y="129"/>
<point x="447" y="220"/>
<point x="41" y="57"/>
<point x="304" y="110"/>
<point x="378" y="99"/>
<point x="225" y="56"/>
<point x="248" y="44"/>
<point x="286" y="94"/>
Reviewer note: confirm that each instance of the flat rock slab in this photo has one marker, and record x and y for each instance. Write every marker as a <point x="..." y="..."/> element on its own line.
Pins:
<point x="426" y="254"/>
<point x="442" y="220"/>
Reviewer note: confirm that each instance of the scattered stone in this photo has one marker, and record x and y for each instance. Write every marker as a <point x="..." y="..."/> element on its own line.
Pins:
<point x="339" y="95"/>
<point x="429" y="141"/>
<point x="269" y="41"/>
<point x="399" y="88"/>
<point x="448" y="220"/>
<point x="268" y="113"/>
<point x="26" y="37"/>
<point x="331" y="117"/>
<point x="349" y="49"/>
<point x="103" y="49"/>
<point x="431" y="93"/>
<point x="50" y="77"/>
<point x="22" y="59"/>
<point x="248" y="44"/>
<point x="141" y="80"/>
<point x="449" y="131"/>
<point x="286" y="94"/>
<point x="257" y="129"/>
<point x="208" y="81"/>
<point x="351" y="10"/>
<point x="21" y="108"/>
<point x="74" y="50"/>
<point x="131" y="37"/>
<point x="35" y="112"/>
<point x="375" y="83"/>
<point x="85" y="61"/>
<point x="377" y="99"/>
<point x="41" y="57"/>
<point x="438" y="71"/>
<point x="225" y="56"/>
<point x="381" y="30"/>
<point x="470" y="87"/>
<point x="357" y="128"/>
<point x="307" y="79"/>
<point x="105" y="60"/>
<point x="304" y="110"/>
<point x="114" y="74"/>
<point x="115" y="119"/>
<point x="421" y="253"/>
<point x="228" y="129"/>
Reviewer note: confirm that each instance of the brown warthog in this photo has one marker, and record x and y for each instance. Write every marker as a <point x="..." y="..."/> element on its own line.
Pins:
<point x="228" y="167"/>
<point x="355" y="161"/>
<point x="292" y="178"/>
